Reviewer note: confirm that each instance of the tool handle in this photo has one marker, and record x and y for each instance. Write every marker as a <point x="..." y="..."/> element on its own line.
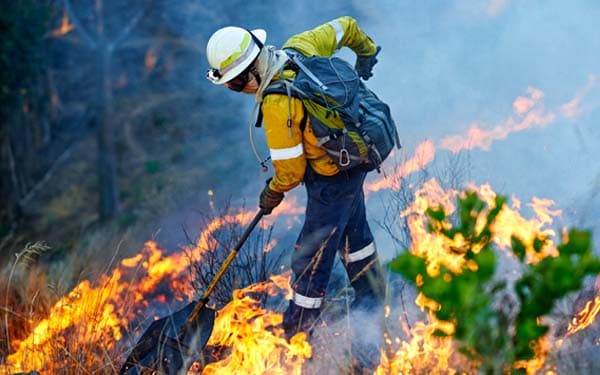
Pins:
<point x="204" y="300"/>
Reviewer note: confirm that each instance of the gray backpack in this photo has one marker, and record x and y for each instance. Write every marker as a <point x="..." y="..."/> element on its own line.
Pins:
<point x="350" y="122"/>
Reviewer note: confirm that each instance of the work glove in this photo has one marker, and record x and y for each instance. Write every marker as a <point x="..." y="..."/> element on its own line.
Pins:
<point x="364" y="65"/>
<point x="269" y="199"/>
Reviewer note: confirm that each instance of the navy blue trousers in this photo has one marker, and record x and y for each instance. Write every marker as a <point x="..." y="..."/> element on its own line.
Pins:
<point x="335" y="223"/>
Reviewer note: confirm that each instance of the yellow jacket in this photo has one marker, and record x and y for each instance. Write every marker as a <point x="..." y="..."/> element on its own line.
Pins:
<point x="291" y="148"/>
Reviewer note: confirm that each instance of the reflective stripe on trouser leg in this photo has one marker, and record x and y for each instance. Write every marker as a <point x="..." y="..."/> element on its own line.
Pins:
<point x="307" y="302"/>
<point x="361" y="254"/>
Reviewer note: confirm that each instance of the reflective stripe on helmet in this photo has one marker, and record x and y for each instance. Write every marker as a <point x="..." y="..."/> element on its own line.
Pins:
<point x="339" y="32"/>
<point x="286" y="153"/>
<point x="230" y="50"/>
<point x="361" y="254"/>
<point x="236" y="58"/>
<point x="307" y="302"/>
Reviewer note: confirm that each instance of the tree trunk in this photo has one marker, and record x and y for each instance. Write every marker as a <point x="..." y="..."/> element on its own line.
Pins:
<point x="106" y="162"/>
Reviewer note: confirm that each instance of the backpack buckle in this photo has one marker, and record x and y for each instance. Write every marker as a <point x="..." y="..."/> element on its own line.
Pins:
<point x="344" y="160"/>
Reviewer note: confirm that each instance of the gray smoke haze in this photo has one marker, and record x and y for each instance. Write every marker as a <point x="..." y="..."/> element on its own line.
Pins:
<point x="445" y="68"/>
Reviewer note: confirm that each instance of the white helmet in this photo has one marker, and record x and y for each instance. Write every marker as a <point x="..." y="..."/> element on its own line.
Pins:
<point x="230" y="50"/>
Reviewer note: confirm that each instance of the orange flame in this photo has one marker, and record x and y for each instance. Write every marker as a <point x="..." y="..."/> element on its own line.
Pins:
<point x="91" y="319"/>
<point x="585" y="317"/>
<point x="529" y="113"/>
<point x="85" y="325"/>
<point x="423" y="353"/>
<point x="255" y="336"/>
<point x="89" y="323"/>
<point x="424" y="155"/>
<point x="65" y="27"/>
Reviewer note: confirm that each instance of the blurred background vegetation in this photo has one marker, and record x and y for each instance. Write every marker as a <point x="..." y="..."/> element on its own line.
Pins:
<point x="108" y="125"/>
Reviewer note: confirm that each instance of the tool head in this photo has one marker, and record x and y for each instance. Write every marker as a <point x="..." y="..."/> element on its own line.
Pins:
<point x="164" y="348"/>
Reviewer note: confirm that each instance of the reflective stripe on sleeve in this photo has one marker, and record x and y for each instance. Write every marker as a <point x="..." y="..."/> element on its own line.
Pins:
<point x="339" y="32"/>
<point x="286" y="153"/>
<point x="307" y="302"/>
<point x="361" y="254"/>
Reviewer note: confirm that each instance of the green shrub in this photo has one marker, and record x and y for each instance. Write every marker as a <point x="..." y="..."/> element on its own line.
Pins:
<point x="465" y="296"/>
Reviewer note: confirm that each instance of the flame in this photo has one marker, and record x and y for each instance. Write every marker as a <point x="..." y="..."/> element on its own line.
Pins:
<point x="85" y="326"/>
<point x="88" y="326"/>
<point x="423" y="353"/>
<point x="424" y="155"/>
<point x="92" y="318"/>
<point x="438" y="250"/>
<point x="529" y="113"/>
<point x="585" y="317"/>
<point x="65" y="27"/>
<point x="255" y="336"/>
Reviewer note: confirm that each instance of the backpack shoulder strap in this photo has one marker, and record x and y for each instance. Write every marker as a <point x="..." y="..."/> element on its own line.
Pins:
<point x="281" y="86"/>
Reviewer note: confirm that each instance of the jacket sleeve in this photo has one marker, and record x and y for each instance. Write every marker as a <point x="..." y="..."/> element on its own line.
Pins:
<point x="284" y="142"/>
<point x="325" y="39"/>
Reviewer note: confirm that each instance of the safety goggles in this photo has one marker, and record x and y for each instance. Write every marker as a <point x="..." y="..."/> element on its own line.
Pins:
<point x="240" y="81"/>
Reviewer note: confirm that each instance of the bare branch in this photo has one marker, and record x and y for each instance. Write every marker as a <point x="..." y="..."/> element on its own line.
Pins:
<point x="126" y="30"/>
<point x="78" y="26"/>
<point x="64" y="156"/>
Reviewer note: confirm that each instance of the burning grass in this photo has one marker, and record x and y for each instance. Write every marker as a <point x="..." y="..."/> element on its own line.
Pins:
<point x="91" y="328"/>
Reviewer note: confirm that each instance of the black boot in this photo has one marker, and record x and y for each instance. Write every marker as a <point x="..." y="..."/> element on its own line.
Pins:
<point x="299" y="319"/>
<point x="369" y="287"/>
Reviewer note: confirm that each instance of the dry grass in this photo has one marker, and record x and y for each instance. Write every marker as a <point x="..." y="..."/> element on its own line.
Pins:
<point x="28" y="294"/>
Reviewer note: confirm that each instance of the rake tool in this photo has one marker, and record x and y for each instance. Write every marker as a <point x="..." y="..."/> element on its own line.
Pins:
<point x="168" y="342"/>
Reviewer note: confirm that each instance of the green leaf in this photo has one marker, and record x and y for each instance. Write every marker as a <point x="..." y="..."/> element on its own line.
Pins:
<point x="408" y="265"/>
<point x="486" y="260"/>
<point x="518" y="247"/>
<point x="439" y="333"/>
<point x="538" y="243"/>
<point x="579" y="242"/>
<point x="437" y="214"/>
<point x="530" y="330"/>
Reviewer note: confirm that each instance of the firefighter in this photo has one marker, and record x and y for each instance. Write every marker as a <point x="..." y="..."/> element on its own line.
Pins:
<point x="335" y="220"/>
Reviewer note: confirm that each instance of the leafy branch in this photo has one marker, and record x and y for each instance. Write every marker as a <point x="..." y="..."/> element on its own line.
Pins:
<point x="465" y="296"/>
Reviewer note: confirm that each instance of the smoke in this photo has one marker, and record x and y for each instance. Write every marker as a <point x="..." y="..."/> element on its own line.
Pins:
<point x="452" y="71"/>
<point x="518" y="78"/>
